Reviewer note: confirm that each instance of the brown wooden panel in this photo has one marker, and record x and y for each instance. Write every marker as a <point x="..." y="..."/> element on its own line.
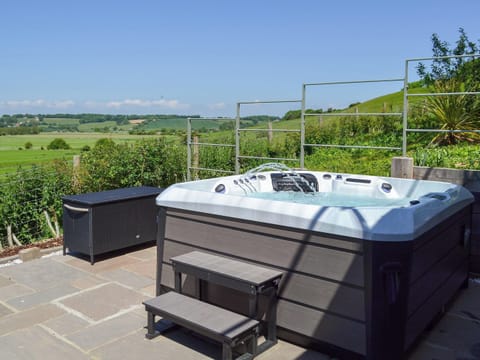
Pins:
<point x="188" y="282"/>
<point x="424" y="315"/>
<point x="436" y="248"/>
<point x="434" y="278"/>
<point x="333" y="297"/>
<point x="476" y="223"/>
<point x="462" y="216"/>
<point x="325" y="327"/>
<point x="267" y="249"/>
<point x="274" y="230"/>
<point x="311" y="291"/>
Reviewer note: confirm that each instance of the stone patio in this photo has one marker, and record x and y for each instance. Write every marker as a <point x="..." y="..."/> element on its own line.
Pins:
<point x="61" y="307"/>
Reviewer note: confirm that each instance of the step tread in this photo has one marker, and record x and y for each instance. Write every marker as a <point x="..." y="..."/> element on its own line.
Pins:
<point x="195" y="314"/>
<point x="237" y="270"/>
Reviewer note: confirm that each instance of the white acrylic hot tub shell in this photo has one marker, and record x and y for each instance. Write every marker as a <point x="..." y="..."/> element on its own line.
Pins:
<point x="385" y="223"/>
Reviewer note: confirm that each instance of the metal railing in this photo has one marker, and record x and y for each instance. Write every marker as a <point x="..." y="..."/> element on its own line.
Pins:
<point x="341" y="114"/>
<point x="191" y="143"/>
<point x="238" y="130"/>
<point x="304" y="115"/>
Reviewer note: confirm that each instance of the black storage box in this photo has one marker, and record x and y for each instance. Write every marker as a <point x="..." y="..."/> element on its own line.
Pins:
<point x="100" y="222"/>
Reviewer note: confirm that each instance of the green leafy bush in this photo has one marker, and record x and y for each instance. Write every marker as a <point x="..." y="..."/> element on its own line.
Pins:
<point x="58" y="144"/>
<point x="27" y="193"/>
<point x="147" y="162"/>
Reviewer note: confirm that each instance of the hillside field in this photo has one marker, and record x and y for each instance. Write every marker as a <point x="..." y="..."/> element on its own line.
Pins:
<point x="13" y="153"/>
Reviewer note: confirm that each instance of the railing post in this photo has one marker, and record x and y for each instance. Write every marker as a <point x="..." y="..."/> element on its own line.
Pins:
<point x="76" y="169"/>
<point x="196" y="156"/>
<point x="302" y="129"/>
<point x="237" y="140"/>
<point x="402" y="167"/>
<point x="270" y="132"/>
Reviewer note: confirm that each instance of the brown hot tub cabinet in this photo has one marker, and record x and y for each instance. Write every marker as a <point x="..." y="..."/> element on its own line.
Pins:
<point x="351" y="298"/>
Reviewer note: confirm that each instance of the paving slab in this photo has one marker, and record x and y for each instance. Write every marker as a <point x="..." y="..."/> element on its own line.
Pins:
<point x="88" y="282"/>
<point x="41" y="297"/>
<point x="35" y="343"/>
<point x="146" y="268"/>
<point x="42" y="273"/>
<point x="177" y="344"/>
<point x="284" y="350"/>
<point x="426" y="351"/>
<point x="66" y="324"/>
<point x="467" y="304"/>
<point x="107" y="331"/>
<point x="103" y="301"/>
<point x="128" y="278"/>
<point x="149" y="291"/>
<point x="13" y="291"/>
<point x="28" y="318"/>
<point x="4" y="310"/>
<point x="460" y="335"/>
<point x="145" y="254"/>
<point x="5" y="281"/>
<point x="101" y="265"/>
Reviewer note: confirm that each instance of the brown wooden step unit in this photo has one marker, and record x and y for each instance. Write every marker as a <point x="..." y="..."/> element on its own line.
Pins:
<point x="216" y="323"/>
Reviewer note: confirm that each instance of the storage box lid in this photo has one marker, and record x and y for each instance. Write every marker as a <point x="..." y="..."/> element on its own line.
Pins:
<point x="109" y="196"/>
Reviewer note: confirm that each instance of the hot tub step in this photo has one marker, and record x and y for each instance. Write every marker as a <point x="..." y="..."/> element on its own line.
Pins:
<point x="216" y="323"/>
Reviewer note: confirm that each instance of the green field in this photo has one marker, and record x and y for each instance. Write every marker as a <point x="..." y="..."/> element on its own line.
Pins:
<point x="13" y="153"/>
<point x="60" y="121"/>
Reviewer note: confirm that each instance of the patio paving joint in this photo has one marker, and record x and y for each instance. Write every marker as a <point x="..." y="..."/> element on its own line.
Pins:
<point x="62" y="338"/>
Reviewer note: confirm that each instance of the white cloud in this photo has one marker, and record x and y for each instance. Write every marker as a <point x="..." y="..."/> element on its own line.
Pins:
<point x="217" y="106"/>
<point x="62" y="104"/>
<point x="22" y="104"/>
<point x="90" y="105"/>
<point x="162" y="103"/>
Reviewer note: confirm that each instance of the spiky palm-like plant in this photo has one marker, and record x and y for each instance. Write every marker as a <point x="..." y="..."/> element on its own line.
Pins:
<point x="454" y="112"/>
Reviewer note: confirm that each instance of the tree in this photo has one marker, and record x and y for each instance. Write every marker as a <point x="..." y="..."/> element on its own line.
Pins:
<point x="451" y="74"/>
<point x="58" y="144"/>
<point x="444" y="66"/>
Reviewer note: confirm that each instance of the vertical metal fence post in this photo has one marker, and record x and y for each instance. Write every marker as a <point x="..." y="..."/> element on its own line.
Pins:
<point x="302" y="129"/>
<point x="189" y="149"/>
<point x="237" y="140"/>
<point x="405" y="111"/>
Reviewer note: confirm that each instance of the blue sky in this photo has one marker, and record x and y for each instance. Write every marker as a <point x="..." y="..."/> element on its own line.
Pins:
<point x="202" y="57"/>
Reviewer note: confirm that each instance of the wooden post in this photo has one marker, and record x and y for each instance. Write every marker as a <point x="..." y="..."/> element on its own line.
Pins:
<point x="270" y="132"/>
<point x="402" y="167"/>
<point x="76" y="168"/>
<point x="76" y="162"/>
<point x="196" y="156"/>
<point x="356" y="112"/>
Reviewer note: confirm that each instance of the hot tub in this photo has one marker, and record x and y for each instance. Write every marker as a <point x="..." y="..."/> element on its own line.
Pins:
<point x="369" y="261"/>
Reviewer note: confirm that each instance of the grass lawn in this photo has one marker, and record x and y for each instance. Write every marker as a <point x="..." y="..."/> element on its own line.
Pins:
<point x="11" y="157"/>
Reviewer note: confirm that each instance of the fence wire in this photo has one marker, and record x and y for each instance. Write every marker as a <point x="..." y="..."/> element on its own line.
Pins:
<point x="31" y="206"/>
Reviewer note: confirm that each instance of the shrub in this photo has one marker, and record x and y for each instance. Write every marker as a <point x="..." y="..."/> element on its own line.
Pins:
<point x="28" y="145"/>
<point x="27" y="193"/>
<point x="147" y="162"/>
<point x="58" y="144"/>
<point x="104" y="142"/>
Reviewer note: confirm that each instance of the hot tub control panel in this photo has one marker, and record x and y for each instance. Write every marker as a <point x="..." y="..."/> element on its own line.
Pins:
<point x="303" y="182"/>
